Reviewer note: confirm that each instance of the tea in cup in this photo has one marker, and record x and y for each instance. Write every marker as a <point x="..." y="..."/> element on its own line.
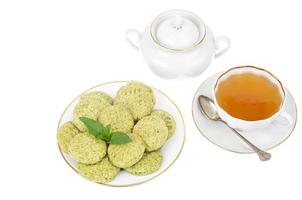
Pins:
<point x="249" y="98"/>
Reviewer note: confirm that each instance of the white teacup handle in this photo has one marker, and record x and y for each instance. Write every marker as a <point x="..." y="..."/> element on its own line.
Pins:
<point x="221" y="50"/>
<point x="133" y="37"/>
<point x="283" y="119"/>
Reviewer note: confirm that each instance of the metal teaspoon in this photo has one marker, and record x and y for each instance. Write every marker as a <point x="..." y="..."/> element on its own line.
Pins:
<point x="209" y="109"/>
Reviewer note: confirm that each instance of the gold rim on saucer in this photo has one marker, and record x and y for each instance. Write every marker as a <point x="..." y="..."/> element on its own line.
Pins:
<point x="138" y="183"/>
<point x="221" y="73"/>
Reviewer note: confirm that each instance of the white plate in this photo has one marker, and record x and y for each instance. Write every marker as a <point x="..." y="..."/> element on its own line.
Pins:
<point x="219" y="134"/>
<point x="171" y="149"/>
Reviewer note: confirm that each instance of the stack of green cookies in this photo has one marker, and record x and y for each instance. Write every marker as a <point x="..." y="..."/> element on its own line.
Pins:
<point x="130" y="112"/>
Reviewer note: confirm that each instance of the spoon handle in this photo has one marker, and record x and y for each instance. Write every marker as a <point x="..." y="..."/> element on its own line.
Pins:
<point x="264" y="156"/>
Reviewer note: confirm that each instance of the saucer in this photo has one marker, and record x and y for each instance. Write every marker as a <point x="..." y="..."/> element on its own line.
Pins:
<point x="219" y="134"/>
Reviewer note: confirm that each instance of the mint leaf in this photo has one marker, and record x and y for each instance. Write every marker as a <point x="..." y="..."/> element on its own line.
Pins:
<point x="102" y="137"/>
<point x="107" y="131"/>
<point x="94" y="127"/>
<point x="119" y="138"/>
<point x="104" y="132"/>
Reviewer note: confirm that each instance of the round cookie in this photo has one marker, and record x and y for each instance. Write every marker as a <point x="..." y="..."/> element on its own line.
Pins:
<point x="153" y="131"/>
<point x="149" y="163"/>
<point x="138" y="98"/>
<point x="168" y="119"/>
<point x="118" y="116"/>
<point x="86" y="149"/>
<point x="96" y="96"/>
<point x="90" y="109"/>
<point x="126" y="155"/>
<point x="65" y="134"/>
<point x="100" y="172"/>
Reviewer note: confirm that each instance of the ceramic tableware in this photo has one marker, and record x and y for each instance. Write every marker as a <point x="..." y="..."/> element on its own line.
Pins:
<point x="280" y="117"/>
<point x="178" y="44"/>
<point x="170" y="151"/>
<point x="265" y="138"/>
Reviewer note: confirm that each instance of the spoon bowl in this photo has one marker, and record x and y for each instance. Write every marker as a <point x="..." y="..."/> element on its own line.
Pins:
<point x="208" y="108"/>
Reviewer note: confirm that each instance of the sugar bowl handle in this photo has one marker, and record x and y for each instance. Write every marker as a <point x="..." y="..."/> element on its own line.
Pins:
<point x="218" y="45"/>
<point x="133" y="37"/>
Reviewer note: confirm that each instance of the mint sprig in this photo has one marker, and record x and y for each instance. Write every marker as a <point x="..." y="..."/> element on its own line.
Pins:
<point x="104" y="132"/>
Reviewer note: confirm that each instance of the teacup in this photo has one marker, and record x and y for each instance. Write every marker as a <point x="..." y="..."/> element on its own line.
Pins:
<point x="279" y="117"/>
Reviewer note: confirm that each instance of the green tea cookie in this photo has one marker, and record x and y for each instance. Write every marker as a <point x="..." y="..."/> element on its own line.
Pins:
<point x="168" y="119"/>
<point x="153" y="131"/>
<point x="119" y="117"/>
<point x="86" y="149"/>
<point x="90" y="109"/>
<point x="149" y="163"/>
<point x="65" y="134"/>
<point x="126" y="155"/>
<point x="96" y="96"/>
<point x="139" y="84"/>
<point x="138" y="98"/>
<point x="100" y="172"/>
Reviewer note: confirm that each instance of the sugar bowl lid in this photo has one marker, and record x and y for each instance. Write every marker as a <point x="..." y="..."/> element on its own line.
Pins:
<point x="178" y="30"/>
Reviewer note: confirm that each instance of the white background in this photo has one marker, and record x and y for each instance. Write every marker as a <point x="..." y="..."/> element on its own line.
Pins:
<point x="50" y="51"/>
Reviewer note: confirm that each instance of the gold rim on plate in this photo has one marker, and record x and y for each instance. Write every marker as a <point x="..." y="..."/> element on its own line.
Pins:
<point x="138" y="183"/>
<point x="193" y="116"/>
